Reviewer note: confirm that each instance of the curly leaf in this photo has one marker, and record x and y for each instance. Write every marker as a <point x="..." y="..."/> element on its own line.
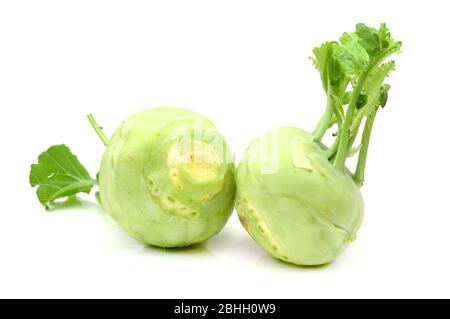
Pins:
<point x="352" y="55"/>
<point x="374" y="88"/>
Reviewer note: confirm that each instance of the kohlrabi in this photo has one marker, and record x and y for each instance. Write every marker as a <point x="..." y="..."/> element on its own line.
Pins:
<point x="167" y="177"/>
<point x="295" y="196"/>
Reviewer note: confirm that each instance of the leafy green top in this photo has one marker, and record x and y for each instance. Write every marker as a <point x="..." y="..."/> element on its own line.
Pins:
<point x="59" y="174"/>
<point x="357" y="60"/>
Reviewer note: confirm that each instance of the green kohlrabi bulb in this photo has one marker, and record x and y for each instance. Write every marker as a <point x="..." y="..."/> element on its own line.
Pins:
<point x="167" y="178"/>
<point x="293" y="202"/>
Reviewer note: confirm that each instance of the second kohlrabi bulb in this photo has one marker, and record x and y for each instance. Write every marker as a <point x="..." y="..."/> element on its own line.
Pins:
<point x="293" y="202"/>
<point x="167" y="178"/>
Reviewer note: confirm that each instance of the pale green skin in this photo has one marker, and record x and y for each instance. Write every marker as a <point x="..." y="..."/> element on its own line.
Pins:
<point x="306" y="212"/>
<point x="137" y="191"/>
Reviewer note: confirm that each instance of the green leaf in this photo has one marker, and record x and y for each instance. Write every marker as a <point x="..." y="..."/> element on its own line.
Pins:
<point x="386" y="42"/>
<point x="364" y="46"/>
<point x="368" y="38"/>
<point x="374" y="86"/>
<point x="320" y="60"/>
<point x="384" y="94"/>
<point x="377" y="42"/>
<point x="362" y="100"/>
<point x="352" y="55"/>
<point x="59" y="174"/>
<point x="331" y="72"/>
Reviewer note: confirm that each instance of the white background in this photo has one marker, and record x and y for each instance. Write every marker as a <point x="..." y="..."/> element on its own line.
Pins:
<point x="243" y="64"/>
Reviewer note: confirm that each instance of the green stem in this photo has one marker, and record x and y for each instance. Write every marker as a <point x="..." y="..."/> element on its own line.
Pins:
<point x="354" y="127"/>
<point x="332" y="121"/>
<point x="98" y="129"/>
<point x="342" y="151"/>
<point x="338" y="113"/>
<point x="358" y="177"/>
<point x="332" y="150"/>
<point x="324" y="122"/>
<point x="344" y="145"/>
